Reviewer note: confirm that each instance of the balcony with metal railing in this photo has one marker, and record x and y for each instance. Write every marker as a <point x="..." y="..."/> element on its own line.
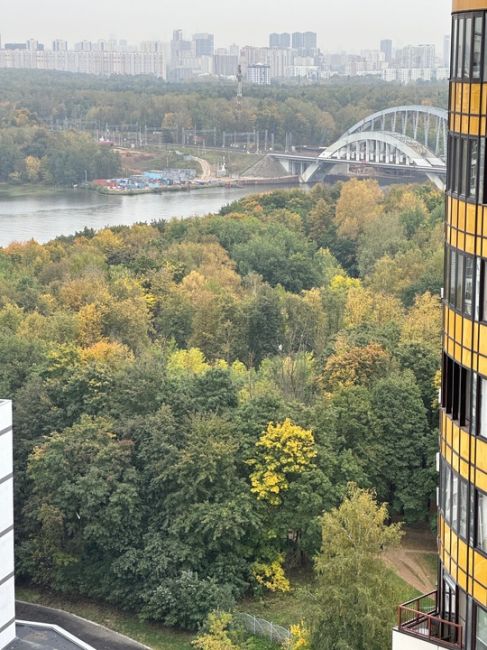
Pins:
<point x="420" y="618"/>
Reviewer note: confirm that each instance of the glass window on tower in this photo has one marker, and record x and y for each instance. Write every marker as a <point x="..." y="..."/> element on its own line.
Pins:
<point x="465" y="178"/>
<point x="482" y="522"/>
<point x="447" y="512"/>
<point x="481" y="632"/>
<point x="454" y="502"/>
<point x="474" y="161"/>
<point x="463" y="509"/>
<point x="453" y="62"/>
<point x="453" y="279"/>
<point x="460" y="47"/>
<point x="459" y="283"/>
<point x="477" y="47"/>
<point x="482" y="425"/>
<point x="468" y="298"/>
<point x="483" y="292"/>
<point x="468" y="49"/>
<point x="473" y="402"/>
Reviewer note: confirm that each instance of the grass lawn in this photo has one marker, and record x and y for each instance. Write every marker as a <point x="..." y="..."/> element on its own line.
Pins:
<point x="18" y="191"/>
<point x="236" y="162"/>
<point x="288" y="609"/>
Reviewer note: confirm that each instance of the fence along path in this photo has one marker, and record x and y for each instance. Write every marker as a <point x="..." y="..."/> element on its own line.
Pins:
<point x="261" y="627"/>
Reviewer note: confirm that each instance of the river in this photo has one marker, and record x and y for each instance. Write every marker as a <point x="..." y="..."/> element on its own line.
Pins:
<point x="45" y="215"/>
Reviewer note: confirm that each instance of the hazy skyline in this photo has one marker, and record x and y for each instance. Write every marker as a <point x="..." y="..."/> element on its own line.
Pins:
<point x="348" y="25"/>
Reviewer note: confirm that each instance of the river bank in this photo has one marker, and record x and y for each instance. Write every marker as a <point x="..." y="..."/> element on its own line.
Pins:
<point x="36" y="213"/>
<point x="228" y="184"/>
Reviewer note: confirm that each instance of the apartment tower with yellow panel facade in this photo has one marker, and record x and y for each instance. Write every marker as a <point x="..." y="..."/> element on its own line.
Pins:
<point x="455" y="614"/>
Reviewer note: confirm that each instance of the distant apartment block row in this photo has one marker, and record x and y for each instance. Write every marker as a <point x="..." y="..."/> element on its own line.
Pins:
<point x="288" y="56"/>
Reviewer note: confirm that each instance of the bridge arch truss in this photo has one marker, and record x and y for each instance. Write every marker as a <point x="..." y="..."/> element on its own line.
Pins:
<point x="382" y="149"/>
<point x="425" y="124"/>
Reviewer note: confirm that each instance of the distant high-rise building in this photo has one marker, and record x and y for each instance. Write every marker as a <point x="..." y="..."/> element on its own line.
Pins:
<point x="285" y="40"/>
<point x="225" y="65"/>
<point x="155" y="47"/>
<point x="274" y="40"/>
<point x="83" y="46"/>
<point x="282" y="41"/>
<point x="386" y="49"/>
<point x="59" y="45"/>
<point x="446" y="51"/>
<point x="298" y="40"/>
<point x="416" y="56"/>
<point x="310" y="41"/>
<point x="259" y="74"/>
<point x="180" y="49"/>
<point x="203" y="44"/>
<point x="33" y="45"/>
<point x="15" y="46"/>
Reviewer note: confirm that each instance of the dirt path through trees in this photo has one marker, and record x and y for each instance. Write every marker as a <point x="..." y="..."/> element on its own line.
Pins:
<point x="414" y="561"/>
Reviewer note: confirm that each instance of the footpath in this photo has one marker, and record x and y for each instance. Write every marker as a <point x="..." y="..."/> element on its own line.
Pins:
<point x="93" y="634"/>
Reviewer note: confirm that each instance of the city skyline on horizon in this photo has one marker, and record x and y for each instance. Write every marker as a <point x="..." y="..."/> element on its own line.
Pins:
<point x="335" y="30"/>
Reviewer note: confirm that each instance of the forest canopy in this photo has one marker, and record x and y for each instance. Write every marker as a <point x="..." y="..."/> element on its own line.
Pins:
<point x="191" y="396"/>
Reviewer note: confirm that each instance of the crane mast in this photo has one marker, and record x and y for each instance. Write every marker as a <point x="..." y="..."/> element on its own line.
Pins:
<point x="239" y="89"/>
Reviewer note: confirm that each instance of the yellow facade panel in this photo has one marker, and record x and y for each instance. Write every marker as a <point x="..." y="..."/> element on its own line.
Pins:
<point x="475" y="360"/>
<point x="470" y="244"/>
<point x="460" y="239"/>
<point x="467" y="333"/>
<point x="469" y="5"/>
<point x="465" y="445"/>
<point x="478" y="246"/>
<point x="471" y="557"/>
<point x="471" y="216"/>
<point x="462" y="216"/>
<point x="449" y="432"/>
<point x="482" y="365"/>
<point x="458" y="327"/>
<point x="457" y="106"/>
<point x="465" y="104"/>
<point x="451" y="322"/>
<point x="451" y="347"/>
<point x="475" y="98"/>
<point x="482" y="340"/>
<point x="481" y="481"/>
<point x="466" y="357"/>
<point x="462" y="556"/>
<point x="464" y="469"/>
<point x="462" y="579"/>
<point x="443" y="448"/>
<point x="481" y="454"/>
<point x="481" y="569"/>
<point x="458" y="352"/>
<point x="480" y="593"/>
<point x="455" y="438"/>
<point x="474" y="125"/>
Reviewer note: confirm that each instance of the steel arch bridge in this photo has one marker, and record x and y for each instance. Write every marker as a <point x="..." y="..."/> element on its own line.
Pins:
<point x="409" y="138"/>
<point x="425" y="124"/>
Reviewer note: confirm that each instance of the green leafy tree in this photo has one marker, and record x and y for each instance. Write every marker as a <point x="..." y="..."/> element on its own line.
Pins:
<point x="352" y="607"/>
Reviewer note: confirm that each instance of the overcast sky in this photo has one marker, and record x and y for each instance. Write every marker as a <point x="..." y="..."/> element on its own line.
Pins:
<point x="341" y="24"/>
